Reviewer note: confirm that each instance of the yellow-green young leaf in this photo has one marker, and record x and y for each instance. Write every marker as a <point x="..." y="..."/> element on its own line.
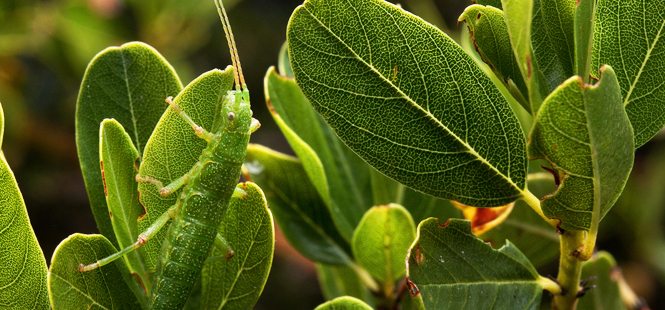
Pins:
<point x="559" y="22"/>
<point x="23" y="271"/>
<point x="283" y="63"/>
<point x="518" y="14"/>
<point x="381" y="241"/>
<point x="118" y="161"/>
<point x="487" y="27"/>
<point x="630" y="37"/>
<point x="339" y="175"/>
<point x="584" y="11"/>
<point x="452" y="269"/>
<point x="101" y="288"/>
<point x="525" y="229"/>
<point x="174" y="148"/>
<point x="408" y="100"/>
<point x="339" y="280"/>
<point x="344" y="303"/>
<point x="298" y="209"/>
<point x="583" y="131"/>
<point x="600" y="270"/>
<point x="238" y="282"/>
<point x="128" y="83"/>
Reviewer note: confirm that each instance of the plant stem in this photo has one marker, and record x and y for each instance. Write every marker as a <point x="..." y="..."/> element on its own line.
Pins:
<point x="570" y="270"/>
<point x="534" y="203"/>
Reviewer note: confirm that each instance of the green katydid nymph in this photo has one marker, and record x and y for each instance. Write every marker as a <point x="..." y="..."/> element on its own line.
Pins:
<point x="207" y="189"/>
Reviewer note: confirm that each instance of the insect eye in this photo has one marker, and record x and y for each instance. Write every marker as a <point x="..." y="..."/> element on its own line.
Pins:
<point x="230" y="116"/>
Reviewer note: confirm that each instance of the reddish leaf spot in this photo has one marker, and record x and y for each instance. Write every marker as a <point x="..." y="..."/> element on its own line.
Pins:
<point x="444" y="224"/>
<point x="559" y="230"/>
<point x="413" y="289"/>
<point x="140" y="281"/>
<point x="479" y="14"/>
<point x="101" y="163"/>
<point x="136" y="163"/>
<point x="145" y="211"/>
<point x="110" y="214"/>
<point x="554" y="173"/>
<point x="528" y="66"/>
<point x="269" y="104"/>
<point x="420" y="258"/>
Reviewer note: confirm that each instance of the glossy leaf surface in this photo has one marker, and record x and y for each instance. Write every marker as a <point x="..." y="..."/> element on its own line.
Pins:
<point x="452" y="269"/>
<point x="630" y="37"/>
<point x="174" y="148"/>
<point x="238" y="282"/>
<point x="118" y="158"/>
<point x="340" y="176"/>
<point x="23" y="271"/>
<point x="487" y="27"/>
<point x="585" y="133"/>
<point x="381" y="241"/>
<point x="298" y="209"/>
<point x="102" y="288"/>
<point x="128" y="83"/>
<point x="602" y="270"/>
<point x="344" y="303"/>
<point x="408" y="100"/>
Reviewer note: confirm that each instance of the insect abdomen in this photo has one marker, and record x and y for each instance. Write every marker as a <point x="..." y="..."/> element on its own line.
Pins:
<point x="193" y="232"/>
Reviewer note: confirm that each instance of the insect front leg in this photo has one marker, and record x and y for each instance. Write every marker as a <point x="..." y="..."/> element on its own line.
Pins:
<point x="142" y="239"/>
<point x="200" y="131"/>
<point x="168" y="189"/>
<point x="224" y="247"/>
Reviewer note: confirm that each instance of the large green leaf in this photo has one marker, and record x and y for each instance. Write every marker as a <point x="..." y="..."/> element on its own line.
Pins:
<point x="118" y="161"/>
<point x="559" y="23"/>
<point x="340" y="280"/>
<point x="518" y="14"/>
<point x="584" y="12"/>
<point x="452" y="269"/>
<point x="606" y="294"/>
<point x="487" y="27"/>
<point x="238" y="282"/>
<point x="630" y="37"/>
<point x="101" y="288"/>
<point x="128" y="83"/>
<point x="23" y="271"/>
<point x="174" y="148"/>
<point x="551" y="71"/>
<point x="339" y="175"/>
<point x="344" y="303"/>
<point x="408" y="100"/>
<point x="583" y="131"/>
<point x="297" y="207"/>
<point x="381" y="241"/>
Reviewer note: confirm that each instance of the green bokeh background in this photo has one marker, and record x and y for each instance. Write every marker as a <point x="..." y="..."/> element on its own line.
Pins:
<point x="46" y="45"/>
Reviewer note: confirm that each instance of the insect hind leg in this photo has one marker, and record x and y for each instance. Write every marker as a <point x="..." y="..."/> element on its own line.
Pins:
<point x="142" y="239"/>
<point x="198" y="130"/>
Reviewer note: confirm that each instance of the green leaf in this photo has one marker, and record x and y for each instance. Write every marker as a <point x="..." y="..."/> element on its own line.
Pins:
<point x="526" y="229"/>
<point x="101" y="288"/>
<point x="298" y="209"/>
<point x="606" y="294"/>
<point x="583" y="131"/>
<point x="344" y="303"/>
<point x="408" y="100"/>
<point x="128" y="83"/>
<point x="584" y="12"/>
<point x="2" y="125"/>
<point x="340" y="176"/>
<point x="118" y="161"/>
<point x="23" y="271"/>
<point x="237" y="283"/>
<point x="551" y="72"/>
<point x="518" y="14"/>
<point x="559" y="23"/>
<point x="284" y="64"/>
<point x="381" y="241"/>
<point x="174" y="148"/>
<point x="494" y="3"/>
<point x="339" y="280"/>
<point x="487" y="27"/>
<point x="630" y="37"/>
<point x="452" y="269"/>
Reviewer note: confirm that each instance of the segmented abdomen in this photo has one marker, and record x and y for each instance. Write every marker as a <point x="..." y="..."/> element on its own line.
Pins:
<point x="193" y="231"/>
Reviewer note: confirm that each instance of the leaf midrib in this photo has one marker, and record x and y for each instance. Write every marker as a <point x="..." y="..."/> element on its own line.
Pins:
<point x="646" y="59"/>
<point x="131" y="103"/>
<point x="404" y="96"/>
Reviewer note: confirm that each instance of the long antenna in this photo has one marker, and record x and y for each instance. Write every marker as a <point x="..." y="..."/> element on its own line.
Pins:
<point x="235" y="59"/>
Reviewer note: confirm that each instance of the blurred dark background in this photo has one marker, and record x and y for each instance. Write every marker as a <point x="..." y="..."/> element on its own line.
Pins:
<point x="46" y="45"/>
